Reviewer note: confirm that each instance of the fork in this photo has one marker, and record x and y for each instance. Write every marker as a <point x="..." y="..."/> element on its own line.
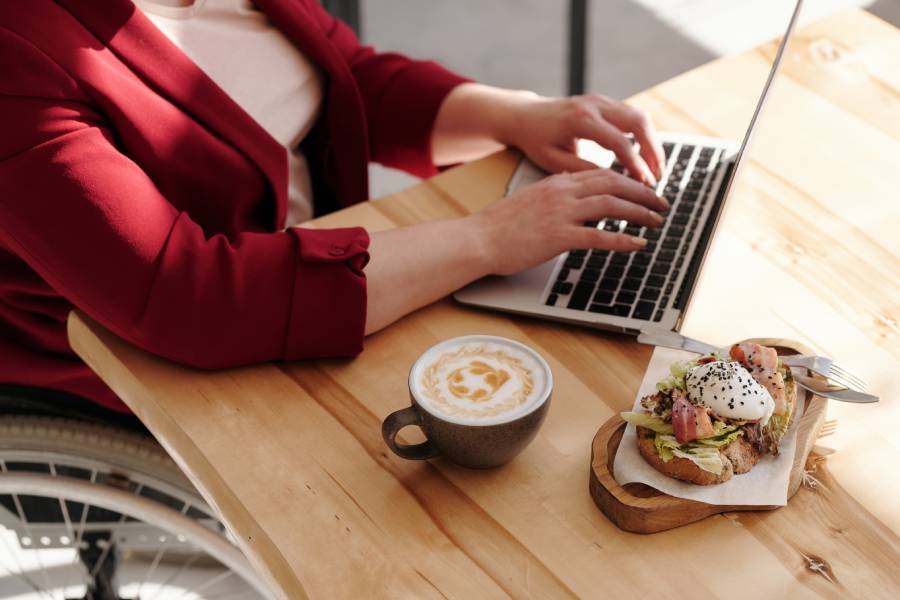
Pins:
<point x="829" y="369"/>
<point x="820" y="365"/>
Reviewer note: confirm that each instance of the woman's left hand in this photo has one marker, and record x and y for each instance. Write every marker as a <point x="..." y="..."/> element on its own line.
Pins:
<point x="547" y="129"/>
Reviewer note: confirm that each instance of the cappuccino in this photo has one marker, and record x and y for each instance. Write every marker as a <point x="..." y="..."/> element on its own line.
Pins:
<point x="480" y="380"/>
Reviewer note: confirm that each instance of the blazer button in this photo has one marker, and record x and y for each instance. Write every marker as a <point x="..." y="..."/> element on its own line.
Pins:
<point x="337" y="250"/>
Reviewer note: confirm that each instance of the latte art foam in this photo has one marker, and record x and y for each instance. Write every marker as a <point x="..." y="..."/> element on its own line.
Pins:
<point x="479" y="380"/>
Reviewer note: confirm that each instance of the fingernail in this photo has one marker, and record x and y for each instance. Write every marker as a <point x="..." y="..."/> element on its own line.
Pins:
<point x="638" y="242"/>
<point x="658" y="218"/>
<point x="664" y="202"/>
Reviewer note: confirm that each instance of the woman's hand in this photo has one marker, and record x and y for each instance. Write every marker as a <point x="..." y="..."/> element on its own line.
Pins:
<point x="547" y="129"/>
<point x="413" y="266"/>
<point x="547" y="218"/>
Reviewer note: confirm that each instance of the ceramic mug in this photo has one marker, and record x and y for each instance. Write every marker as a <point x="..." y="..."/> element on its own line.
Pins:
<point x="478" y="399"/>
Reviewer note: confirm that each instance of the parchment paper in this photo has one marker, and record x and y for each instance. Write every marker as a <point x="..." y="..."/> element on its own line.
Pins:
<point x="766" y="484"/>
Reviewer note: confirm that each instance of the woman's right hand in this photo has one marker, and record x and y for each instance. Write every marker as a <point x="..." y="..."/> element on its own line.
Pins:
<point x="547" y="218"/>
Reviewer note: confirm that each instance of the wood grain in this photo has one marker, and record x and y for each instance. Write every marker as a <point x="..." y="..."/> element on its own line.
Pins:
<point x="291" y="455"/>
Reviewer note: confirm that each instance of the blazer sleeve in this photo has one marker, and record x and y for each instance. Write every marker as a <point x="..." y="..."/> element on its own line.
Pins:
<point x="401" y="97"/>
<point x="91" y="223"/>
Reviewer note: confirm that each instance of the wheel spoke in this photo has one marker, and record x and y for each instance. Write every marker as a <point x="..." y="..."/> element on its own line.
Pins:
<point x="37" y="551"/>
<point x="211" y="581"/>
<point x="153" y="564"/>
<point x="21" y="574"/>
<point x="172" y="578"/>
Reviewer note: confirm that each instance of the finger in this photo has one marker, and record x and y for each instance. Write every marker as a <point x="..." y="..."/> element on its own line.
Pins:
<point x="610" y="137"/>
<point x="609" y="182"/>
<point x="638" y="123"/>
<point x="594" y="208"/>
<point x="588" y="237"/>
<point x="557" y="160"/>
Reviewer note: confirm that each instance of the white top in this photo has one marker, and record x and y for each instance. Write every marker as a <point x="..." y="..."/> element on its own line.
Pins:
<point x="263" y="72"/>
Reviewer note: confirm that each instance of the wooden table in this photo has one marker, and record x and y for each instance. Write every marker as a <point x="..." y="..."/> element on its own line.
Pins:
<point x="292" y="456"/>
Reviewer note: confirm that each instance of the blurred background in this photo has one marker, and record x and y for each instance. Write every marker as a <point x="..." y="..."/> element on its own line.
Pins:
<point x="629" y="45"/>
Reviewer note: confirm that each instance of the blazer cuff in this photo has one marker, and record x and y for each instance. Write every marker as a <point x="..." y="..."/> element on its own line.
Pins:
<point x="328" y="316"/>
<point x="409" y="108"/>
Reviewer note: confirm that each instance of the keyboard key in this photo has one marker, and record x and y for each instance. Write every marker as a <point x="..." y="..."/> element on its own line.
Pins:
<point x="658" y="316"/>
<point x="671" y="243"/>
<point x="563" y="274"/>
<point x="649" y="293"/>
<point x="580" y="252"/>
<point x="609" y="284"/>
<point x="563" y="288"/>
<point x="618" y="258"/>
<point x="631" y="283"/>
<point x="591" y="223"/>
<point x="656" y="281"/>
<point x="601" y="308"/>
<point x="641" y="258"/>
<point x="573" y="262"/>
<point x="667" y="148"/>
<point x="591" y="275"/>
<point x="675" y="231"/>
<point x="644" y="310"/>
<point x="551" y="300"/>
<point x="652" y="234"/>
<point x="612" y="225"/>
<point x="581" y="295"/>
<point x="622" y="310"/>
<point x="669" y="288"/>
<point x="650" y="247"/>
<point x="690" y="196"/>
<point x="666" y="256"/>
<point x="664" y="301"/>
<point x="681" y="219"/>
<point x="636" y="271"/>
<point x="603" y="297"/>
<point x="625" y="297"/>
<point x="614" y="271"/>
<point x="632" y="229"/>
<point x="679" y="261"/>
<point x="684" y="209"/>
<point x="660" y="267"/>
<point x="596" y="262"/>
<point x="599" y="253"/>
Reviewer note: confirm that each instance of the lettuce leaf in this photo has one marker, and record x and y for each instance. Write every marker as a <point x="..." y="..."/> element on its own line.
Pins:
<point x="722" y="438"/>
<point x="648" y="421"/>
<point x="704" y="456"/>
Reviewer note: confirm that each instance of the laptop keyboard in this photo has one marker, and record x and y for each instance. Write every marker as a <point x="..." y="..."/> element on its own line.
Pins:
<point x="641" y="285"/>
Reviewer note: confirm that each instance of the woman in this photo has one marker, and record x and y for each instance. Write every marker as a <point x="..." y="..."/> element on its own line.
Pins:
<point x="156" y="155"/>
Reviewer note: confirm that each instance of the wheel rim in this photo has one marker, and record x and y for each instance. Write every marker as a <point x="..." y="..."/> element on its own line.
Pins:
<point x="182" y="533"/>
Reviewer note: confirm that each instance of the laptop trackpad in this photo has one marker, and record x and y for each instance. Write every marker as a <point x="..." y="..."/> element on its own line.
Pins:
<point x="524" y="290"/>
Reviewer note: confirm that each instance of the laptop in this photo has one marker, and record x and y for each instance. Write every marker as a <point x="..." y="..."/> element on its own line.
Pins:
<point x="649" y="289"/>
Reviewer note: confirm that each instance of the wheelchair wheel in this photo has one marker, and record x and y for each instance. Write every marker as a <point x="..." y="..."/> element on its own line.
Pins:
<point x="90" y="511"/>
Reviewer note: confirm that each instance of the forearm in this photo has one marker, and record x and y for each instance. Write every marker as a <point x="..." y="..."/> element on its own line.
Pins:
<point x="473" y="121"/>
<point x="413" y="266"/>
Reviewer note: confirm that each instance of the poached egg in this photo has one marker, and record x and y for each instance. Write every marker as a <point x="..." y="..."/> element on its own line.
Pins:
<point x="730" y="391"/>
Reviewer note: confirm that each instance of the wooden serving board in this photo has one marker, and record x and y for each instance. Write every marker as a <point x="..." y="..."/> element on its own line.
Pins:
<point x="640" y="508"/>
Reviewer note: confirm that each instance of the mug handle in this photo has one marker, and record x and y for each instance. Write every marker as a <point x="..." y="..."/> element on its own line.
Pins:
<point x="392" y="426"/>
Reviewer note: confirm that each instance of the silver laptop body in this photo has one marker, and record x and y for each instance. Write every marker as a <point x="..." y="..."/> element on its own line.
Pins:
<point x="652" y="288"/>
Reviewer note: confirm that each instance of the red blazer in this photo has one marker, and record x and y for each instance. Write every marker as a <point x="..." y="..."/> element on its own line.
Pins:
<point x="134" y="188"/>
